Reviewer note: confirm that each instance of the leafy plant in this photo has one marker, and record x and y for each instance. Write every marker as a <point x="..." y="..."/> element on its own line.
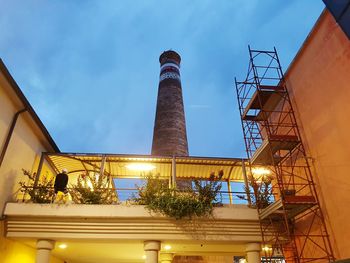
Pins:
<point x="42" y="193"/>
<point x="208" y="191"/>
<point x="93" y="189"/>
<point x="259" y="191"/>
<point x="178" y="204"/>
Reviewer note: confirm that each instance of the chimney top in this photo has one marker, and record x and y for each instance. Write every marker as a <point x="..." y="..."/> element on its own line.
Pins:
<point x="168" y="56"/>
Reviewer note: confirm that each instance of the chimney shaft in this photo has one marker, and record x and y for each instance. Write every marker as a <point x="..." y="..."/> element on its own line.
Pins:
<point x="169" y="135"/>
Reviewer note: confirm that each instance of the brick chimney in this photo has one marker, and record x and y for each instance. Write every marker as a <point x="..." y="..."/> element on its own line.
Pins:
<point x="169" y="135"/>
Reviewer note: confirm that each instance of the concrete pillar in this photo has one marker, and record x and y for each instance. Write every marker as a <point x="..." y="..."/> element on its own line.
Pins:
<point x="43" y="250"/>
<point x="253" y="252"/>
<point x="166" y="257"/>
<point x="151" y="248"/>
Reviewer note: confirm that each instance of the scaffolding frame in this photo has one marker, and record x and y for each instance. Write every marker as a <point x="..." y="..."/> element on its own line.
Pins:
<point x="272" y="138"/>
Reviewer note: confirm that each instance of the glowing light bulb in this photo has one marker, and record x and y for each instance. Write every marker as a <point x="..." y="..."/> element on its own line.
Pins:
<point x="62" y="246"/>
<point x="89" y="184"/>
<point x="267" y="248"/>
<point x="140" y="167"/>
<point x="167" y="247"/>
<point x="261" y="171"/>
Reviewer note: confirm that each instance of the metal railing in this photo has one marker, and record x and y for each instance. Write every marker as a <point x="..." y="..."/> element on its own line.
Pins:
<point x="123" y="194"/>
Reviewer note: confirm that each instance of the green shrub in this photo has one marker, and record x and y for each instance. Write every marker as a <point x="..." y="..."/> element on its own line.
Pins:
<point x="185" y="203"/>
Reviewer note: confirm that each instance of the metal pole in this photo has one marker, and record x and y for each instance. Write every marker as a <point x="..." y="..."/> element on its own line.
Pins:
<point x="173" y="172"/>
<point x="102" y="168"/>
<point x="9" y="135"/>
<point x="229" y="191"/>
<point x="40" y="167"/>
<point x="246" y="181"/>
<point x="110" y="183"/>
<point x="170" y="184"/>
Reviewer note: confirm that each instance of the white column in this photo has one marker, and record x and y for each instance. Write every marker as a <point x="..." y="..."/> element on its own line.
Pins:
<point x="43" y="250"/>
<point x="253" y="252"/>
<point x="166" y="257"/>
<point x="151" y="248"/>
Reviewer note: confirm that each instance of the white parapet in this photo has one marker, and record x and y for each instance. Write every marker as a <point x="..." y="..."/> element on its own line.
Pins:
<point x="108" y="222"/>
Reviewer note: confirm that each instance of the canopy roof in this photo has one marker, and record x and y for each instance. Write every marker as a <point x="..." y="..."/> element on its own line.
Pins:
<point x="116" y="165"/>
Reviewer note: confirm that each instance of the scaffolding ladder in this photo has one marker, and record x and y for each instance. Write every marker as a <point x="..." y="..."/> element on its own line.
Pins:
<point x="293" y="225"/>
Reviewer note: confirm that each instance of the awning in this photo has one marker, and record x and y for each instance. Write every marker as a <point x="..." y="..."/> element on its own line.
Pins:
<point x="116" y="165"/>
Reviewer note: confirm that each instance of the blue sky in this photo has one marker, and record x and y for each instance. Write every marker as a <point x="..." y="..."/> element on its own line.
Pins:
<point x="90" y="68"/>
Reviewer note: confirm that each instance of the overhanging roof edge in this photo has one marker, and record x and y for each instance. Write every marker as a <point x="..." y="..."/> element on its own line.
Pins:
<point x="204" y="158"/>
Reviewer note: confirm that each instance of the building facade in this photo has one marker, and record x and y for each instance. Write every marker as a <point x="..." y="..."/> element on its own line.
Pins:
<point x="23" y="138"/>
<point x="318" y="82"/>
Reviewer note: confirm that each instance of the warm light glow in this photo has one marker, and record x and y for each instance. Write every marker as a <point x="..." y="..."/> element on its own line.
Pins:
<point x="140" y="166"/>
<point x="89" y="184"/>
<point x="144" y="257"/>
<point x="266" y="248"/>
<point x="260" y="171"/>
<point x="62" y="246"/>
<point x="167" y="247"/>
<point x="242" y="260"/>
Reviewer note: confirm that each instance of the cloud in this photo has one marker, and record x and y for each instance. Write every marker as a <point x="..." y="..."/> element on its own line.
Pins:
<point x="90" y="68"/>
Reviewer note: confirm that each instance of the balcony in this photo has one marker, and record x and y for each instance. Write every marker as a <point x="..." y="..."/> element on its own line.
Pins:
<point x="109" y="232"/>
<point x="83" y="226"/>
<point x="263" y="102"/>
<point x="266" y="153"/>
<point x="126" y="173"/>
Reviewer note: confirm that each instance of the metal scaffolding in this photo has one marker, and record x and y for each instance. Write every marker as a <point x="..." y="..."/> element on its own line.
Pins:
<point x="273" y="139"/>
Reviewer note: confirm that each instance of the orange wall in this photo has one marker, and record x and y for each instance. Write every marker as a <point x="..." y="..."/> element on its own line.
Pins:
<point x="319" y="85"/>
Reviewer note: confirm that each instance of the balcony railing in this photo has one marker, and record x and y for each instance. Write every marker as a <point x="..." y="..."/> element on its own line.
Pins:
<point x="122" y="194"/>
